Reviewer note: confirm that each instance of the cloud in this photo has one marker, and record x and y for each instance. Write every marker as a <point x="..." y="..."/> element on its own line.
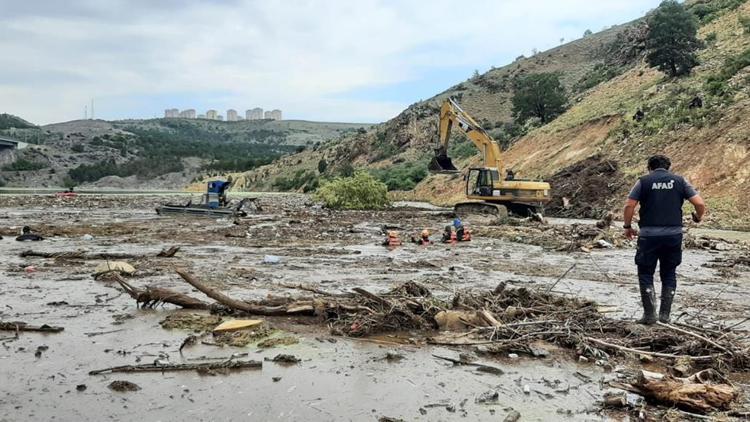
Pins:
<point x="307" y="57"/>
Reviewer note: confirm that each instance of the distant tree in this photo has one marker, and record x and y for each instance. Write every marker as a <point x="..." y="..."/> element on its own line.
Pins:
<point x="562" y="40"/>
<point x="69" y="183"/>
<point x="587" y="33"/>
<point x="672" y="39"/>
<point x="475" y="74"/>
<point x="322" y="165"/>
<point x="346" y="170"/>
<point x="534" y="52"/>
<point x="539" y="95"/>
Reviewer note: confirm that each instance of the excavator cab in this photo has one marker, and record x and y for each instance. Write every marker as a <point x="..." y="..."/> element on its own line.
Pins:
<point x="481" y="182"/>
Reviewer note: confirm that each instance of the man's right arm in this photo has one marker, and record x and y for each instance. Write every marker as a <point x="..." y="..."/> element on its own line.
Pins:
<point x="700" y="207"/>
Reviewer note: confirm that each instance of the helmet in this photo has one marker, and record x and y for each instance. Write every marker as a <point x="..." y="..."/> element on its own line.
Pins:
<point x="457" y="222"/>
<point x="425" y="233"/>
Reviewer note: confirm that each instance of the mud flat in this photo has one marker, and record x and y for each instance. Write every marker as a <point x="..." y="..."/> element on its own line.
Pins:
<point x="288" y="242"/>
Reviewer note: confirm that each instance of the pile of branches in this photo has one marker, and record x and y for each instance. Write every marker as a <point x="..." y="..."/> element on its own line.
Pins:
<point x="503" y="319"/>
<point x="526" y="316"/>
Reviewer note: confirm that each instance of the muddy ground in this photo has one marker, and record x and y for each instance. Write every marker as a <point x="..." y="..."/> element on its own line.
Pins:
<point x="45" y="376"/>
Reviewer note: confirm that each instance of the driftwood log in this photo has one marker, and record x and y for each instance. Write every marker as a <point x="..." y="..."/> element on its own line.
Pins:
<point x="306" y="307"/>
<point x="165" y="253"/>
<point x="22" y="326"/>
<point x="697" y="393"/>
<point x="205" y="366"/>
<point x="152" y="297"/>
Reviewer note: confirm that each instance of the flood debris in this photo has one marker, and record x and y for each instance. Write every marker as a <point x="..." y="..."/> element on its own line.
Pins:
<point x="123" y="386"/>
<point x="87" y="256"/>
<point x="703" y="392"/>
<point x="151" y="297"/>
<point x="112" y="268"/>
<point x="18" y="326"/>
<point x="190" y="321"/>
<point x="283" y="358"/>
<point x="229" y="364"/>
<point x="277" y="341"/>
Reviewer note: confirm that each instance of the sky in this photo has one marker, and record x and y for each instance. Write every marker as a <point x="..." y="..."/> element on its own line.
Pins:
<point x="326" y="60"/>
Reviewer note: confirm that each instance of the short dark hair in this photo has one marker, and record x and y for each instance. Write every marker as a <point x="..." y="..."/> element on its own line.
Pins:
<point x="659" y="162"/>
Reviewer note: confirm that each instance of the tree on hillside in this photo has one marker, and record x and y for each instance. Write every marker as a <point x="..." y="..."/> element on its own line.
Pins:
<point x="322" y="166"/>
<point x="672" y="39"/>
<point x="539" y="95"/>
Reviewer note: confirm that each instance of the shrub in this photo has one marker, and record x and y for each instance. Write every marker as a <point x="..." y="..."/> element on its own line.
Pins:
<point x="24" y="165"/>
<point x="306" y="180"/>
<point x="745" y="22"/>
<point x="600" y="73"/>
<point x="322" y="165"/>
<point x="2" y="182"/>
<point x="77" y="148"/>
<point x="717" y="84"/>
<point x="359" y="192"/>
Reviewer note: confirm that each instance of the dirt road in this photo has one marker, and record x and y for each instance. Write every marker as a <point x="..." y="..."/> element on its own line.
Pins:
<point x="339" y="378"/>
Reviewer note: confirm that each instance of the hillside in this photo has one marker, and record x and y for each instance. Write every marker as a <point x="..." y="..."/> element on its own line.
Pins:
<point x="153" y="153"/>
<point x="606" y="81"/>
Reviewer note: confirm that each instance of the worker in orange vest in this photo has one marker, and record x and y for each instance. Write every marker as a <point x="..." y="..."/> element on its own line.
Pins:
<point x="392" y="240"/>
<point x="423" y="239"/>
<point x="449" y="235"/>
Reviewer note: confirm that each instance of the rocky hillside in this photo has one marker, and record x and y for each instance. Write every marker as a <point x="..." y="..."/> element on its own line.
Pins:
<point x="606" y="80"/>
<point x="154" y="153"/>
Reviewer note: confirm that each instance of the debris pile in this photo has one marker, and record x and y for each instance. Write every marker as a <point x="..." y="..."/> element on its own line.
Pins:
<point x="502" y="320"/>
<point x="586" y="188"/>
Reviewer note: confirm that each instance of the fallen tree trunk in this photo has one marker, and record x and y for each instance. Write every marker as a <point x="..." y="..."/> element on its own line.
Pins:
<point x="22" y="326"/>
<point x="686" y="393"/>
<point x="295" y="308"/>
<point x="165" y="253"/>
<point x="154" y="296"/>
<point x="206" y="366"/>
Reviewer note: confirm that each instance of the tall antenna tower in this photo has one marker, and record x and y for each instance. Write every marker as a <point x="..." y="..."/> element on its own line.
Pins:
<point x="85" y="112"/>
<point x="92" y="109"/>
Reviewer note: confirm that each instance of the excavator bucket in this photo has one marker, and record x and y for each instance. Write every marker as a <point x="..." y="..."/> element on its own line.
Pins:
<point x="442" y="164"/>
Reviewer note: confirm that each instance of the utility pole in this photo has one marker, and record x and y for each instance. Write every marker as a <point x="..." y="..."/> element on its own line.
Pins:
<point x="85" y="112"/>
<point x="92" y="109"/>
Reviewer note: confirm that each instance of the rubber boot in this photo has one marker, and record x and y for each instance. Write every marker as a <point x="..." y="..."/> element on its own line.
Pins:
<point x="648" y="299"/>
<point x="667" y="295"/>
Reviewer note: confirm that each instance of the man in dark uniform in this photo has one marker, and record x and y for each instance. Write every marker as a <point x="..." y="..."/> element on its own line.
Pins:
<point x="661" y="195"/>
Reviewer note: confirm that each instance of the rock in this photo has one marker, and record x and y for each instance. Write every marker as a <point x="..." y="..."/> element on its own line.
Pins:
<point x="123" y="386"/>
<point x="583" y="359"/>
<point x="645" y="358"/>
<point x="81" y="387"/>
<point x="284" y="358"/>
<point x="513" y="416"/>
<point x="526" y="389"/>
<point x="276" y="379"/>
<point x="87" y="237"/>
<point x="512" y="355"/>
<point x="490" y="396"/>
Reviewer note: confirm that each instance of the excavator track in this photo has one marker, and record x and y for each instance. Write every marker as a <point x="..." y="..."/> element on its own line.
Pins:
<point x="465" y="209"/>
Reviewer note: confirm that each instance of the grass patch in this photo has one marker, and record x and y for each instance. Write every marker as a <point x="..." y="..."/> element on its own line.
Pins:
<point x="359" y="192"/>
<point x="307" y="180"/>
<point x="402" y="176"/>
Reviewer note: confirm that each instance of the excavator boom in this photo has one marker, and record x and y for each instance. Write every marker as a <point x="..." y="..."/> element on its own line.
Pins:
<point x="490" y="188"/>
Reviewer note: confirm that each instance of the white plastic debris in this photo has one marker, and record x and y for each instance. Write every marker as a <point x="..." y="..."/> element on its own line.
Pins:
<point x="512" y="355"/>
<point x="87" y="237"/>
<point x="271" y="259"/>
<point x="526" y="389"/>
<point x="604" y="244"/>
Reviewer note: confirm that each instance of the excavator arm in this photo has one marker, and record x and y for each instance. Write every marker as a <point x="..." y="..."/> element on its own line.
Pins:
<point x="450" y="114"/>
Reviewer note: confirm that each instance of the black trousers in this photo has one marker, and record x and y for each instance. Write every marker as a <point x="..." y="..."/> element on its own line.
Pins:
<point x="667" y="251"/>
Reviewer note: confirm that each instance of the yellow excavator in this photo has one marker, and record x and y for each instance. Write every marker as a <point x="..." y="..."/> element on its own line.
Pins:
<point x="489" y="189"/>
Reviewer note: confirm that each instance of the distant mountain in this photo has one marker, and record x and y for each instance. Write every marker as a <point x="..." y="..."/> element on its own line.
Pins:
<point x="153" y="153"/>
<point x="9" y="121"/>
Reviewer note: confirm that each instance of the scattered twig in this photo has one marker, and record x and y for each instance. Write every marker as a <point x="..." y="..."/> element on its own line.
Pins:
<point x="205" y="366"/>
